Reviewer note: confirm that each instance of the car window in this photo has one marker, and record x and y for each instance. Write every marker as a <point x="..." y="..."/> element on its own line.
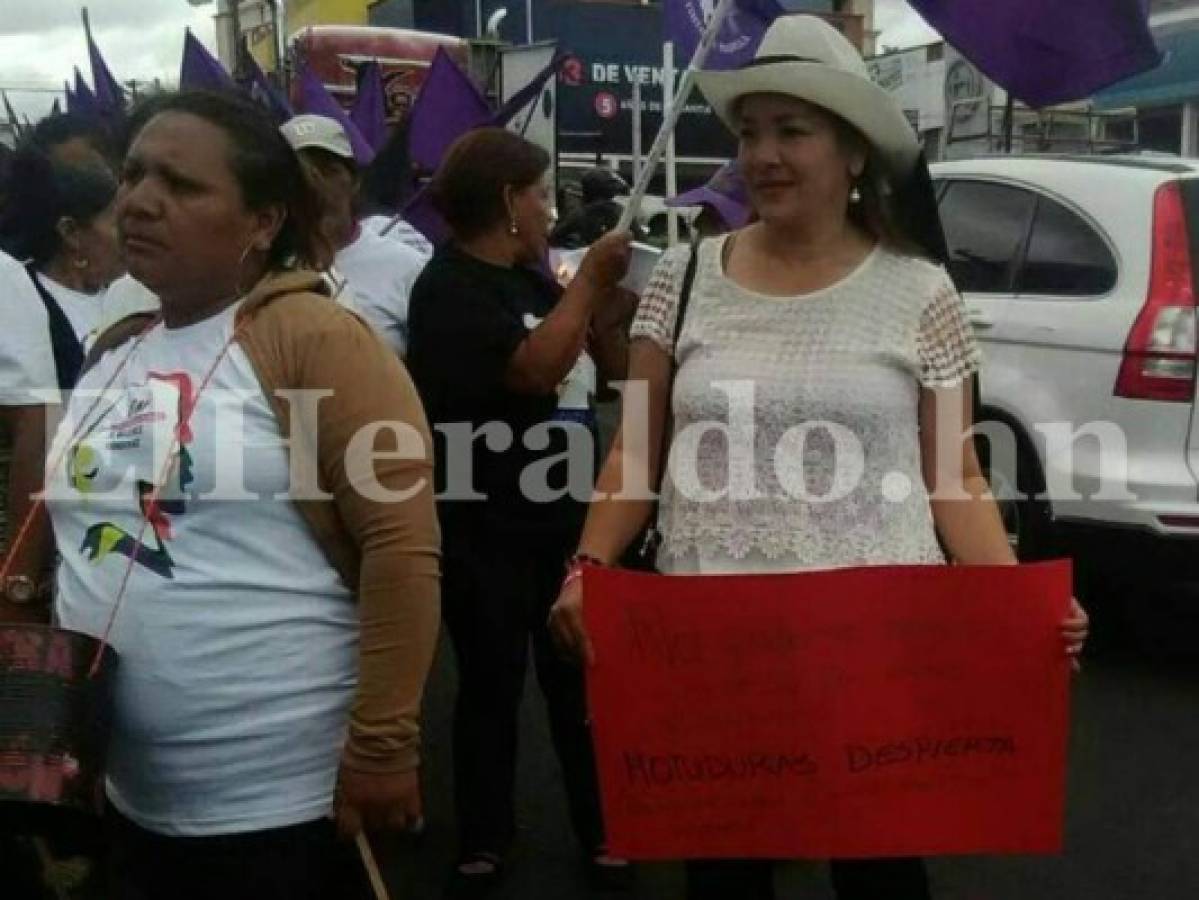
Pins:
<point x="985" y="228"/>
<point x="1065" y="257"/>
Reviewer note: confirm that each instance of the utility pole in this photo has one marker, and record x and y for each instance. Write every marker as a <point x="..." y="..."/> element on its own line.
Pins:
<point x="235" y="18"/>
<point x="278" y="24"/>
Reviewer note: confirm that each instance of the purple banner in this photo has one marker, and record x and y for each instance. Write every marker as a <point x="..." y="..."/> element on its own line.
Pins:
<point x="370" y="106"/>
<point x="448" y="106"/>
<point x="200" y="70"/>
<point x="1046" y="53"/>
<point x="109" y="96"/>
<point x="739" y="37"/>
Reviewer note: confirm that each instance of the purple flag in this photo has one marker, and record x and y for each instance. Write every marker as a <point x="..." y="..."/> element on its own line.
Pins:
<point x="454" y="91"/>
<point x="370" y="106"/>
<point x="85" y="101"/>
<point x="448" y="106"/>
<point x="200" y="69"/>
<point x="420" y="213"/>
<point x="110" y="99"/>
<point x="739" y="37"/>
<point x="315" y="99"/>
<point x="1043" y="52"/>
<point x="255" y="83"/>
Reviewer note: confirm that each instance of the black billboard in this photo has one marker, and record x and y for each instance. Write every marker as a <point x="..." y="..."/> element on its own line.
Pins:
<point x="612" y="46"/>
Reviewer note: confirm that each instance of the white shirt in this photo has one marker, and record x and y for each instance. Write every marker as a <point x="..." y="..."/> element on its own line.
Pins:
<point x="378" y="275"/>
<point x="238" y="641"/>
<point x="819" y="462"/>
<point x="401" y="232"/>
<point x="26" y="355"/>
<point x="124" y="297"/>
<point x="83" y="311"/>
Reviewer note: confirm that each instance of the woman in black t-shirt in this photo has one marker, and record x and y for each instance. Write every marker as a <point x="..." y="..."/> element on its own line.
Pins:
<point x="507" y="365"/>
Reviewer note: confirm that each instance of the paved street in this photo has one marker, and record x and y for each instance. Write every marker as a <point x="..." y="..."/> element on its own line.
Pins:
<point x="1133" y="802"/>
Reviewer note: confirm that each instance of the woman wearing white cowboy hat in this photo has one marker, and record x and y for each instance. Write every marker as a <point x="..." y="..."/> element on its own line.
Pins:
<point x="822" y="318"/>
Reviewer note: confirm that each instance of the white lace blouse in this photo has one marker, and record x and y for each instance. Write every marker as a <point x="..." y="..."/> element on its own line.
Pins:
<point x="795" y="440"/>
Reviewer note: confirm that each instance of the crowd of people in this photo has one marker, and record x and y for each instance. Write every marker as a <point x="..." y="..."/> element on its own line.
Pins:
<point x="273" y="578"/>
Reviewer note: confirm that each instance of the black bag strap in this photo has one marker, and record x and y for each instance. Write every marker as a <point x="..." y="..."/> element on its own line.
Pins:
<point x="684" y="298"/>
<point x="684" y="302"/>
<point x="68" y="352"/>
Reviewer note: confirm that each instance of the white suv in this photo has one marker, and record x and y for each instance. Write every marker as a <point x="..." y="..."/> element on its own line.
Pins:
<point x="1079" y="275"/>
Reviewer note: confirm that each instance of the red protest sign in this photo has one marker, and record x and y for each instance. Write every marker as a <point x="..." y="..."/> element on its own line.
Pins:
<point x="906" y="711"/>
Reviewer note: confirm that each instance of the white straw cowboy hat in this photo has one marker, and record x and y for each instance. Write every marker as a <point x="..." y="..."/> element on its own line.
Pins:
<point x="806" y="58"/>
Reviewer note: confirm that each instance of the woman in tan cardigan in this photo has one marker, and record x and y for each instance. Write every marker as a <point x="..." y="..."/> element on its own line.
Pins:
<point x="246" y="512"/>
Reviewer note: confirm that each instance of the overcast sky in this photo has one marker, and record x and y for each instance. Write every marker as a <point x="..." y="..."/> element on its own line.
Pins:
<point x="42" y="40"/>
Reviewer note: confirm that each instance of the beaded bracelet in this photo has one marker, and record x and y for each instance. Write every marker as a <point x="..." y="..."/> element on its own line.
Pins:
<point x="574" y="567"/>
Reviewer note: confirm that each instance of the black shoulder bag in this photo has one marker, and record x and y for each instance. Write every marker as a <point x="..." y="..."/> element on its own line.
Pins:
<point x="643" y="551"/>
<point x="68" y="353"/>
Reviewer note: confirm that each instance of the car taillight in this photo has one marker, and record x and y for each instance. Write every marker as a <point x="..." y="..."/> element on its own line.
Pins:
<point x="1159" y="357"/>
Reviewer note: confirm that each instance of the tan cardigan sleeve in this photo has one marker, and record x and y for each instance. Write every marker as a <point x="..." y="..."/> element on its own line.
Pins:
<point x="398" y="579"/>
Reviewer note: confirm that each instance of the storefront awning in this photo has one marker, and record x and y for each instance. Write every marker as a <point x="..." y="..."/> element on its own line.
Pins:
<point x="1175" y="81"/>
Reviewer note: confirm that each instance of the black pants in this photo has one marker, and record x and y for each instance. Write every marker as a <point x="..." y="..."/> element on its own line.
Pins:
<point x="302" y="862"/>
<point x="751" y="879"/>
<point x="497" y="590"/>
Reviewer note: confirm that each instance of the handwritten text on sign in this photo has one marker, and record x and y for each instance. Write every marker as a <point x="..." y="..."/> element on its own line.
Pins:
<point x="858" y="713"/>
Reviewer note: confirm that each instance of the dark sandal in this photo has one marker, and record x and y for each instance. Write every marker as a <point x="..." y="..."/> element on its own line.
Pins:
<point x="608" y="873"/>
<point x="476" y="874"/>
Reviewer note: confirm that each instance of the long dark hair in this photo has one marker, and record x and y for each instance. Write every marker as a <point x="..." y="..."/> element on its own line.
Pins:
<point x="266" y="168"/>
<point x="898" y="212"/>
<point x="61" y="128"/>
<point x="41" y="192"/>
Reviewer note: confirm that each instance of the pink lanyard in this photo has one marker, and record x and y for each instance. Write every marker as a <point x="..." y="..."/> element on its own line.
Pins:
<point x="150" y="509"/>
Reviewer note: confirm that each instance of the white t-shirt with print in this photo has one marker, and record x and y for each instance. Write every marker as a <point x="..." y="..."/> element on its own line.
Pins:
<point x="378" y="275"/>
<point x="26" y="355"/>
<point x="238" y="641"/>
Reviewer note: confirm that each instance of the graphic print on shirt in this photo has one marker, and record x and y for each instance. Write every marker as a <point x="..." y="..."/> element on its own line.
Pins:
<point x="138" y="441"/>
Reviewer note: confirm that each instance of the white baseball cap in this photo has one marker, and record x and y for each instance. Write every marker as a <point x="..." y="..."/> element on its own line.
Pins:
<point x="309" y="132"/>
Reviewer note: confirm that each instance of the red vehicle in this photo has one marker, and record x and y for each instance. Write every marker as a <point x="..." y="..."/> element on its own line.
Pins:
<point x="334" y="52"/>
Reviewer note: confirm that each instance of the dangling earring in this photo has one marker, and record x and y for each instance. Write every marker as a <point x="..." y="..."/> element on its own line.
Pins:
<point x="241" y="262"/>
<point x="80" y="263"/>
<point x="855" y="193"/>
<point x="513" y="228"/>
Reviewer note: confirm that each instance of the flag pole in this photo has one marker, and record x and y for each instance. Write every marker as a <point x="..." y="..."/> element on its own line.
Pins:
<point x="636" y="145"/>
<point x="13" y="121"/>
<point x="672" y="172"/>
<point x="671" y="119"/>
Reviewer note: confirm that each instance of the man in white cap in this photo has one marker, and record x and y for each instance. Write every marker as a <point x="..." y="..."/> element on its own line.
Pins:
<point x="373" y="276"/>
